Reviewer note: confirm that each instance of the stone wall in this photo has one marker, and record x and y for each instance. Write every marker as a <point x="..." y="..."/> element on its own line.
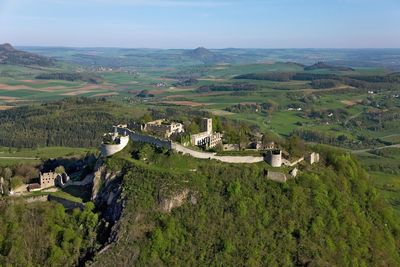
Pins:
<point x="312" y="158"/>
<point x="141" y="138"/>
<point x="109" y="150"/>
<point x="274" y="158"/>
<point x="291" y="164"/>
<point x="207" y="155"/>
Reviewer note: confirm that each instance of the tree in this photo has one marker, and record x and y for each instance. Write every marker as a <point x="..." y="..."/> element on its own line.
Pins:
<point x="145" y="152"/>
<point x="16" y="181"/>
<point x="217" y="125"/>
<point x="2" y="185"/>
<point x="295" y="146"/>
<point x="267" y="138"/>
<point x="60" y="170"/>
<point x="26" y="171"/>
<point x="193" y="128"/>
<point x="243" y="136"/>
<point x="146" y="118"/>
<point x="7" y="173"/>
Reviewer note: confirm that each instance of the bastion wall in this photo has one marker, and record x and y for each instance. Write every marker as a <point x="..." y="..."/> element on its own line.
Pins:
<point x="109" y="150"/>
<point x="141" y="138"/>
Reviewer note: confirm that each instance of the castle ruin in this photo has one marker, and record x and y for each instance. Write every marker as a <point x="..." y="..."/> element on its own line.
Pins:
<point x="161" y="128"/>
<point x="207" y="138"/>
<point x="312" y="158"/>
<point x="274" y="158"/>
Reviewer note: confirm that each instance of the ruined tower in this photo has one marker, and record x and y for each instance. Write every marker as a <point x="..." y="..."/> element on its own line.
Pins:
<point x="206" y="125"/>
<point x="274" y="158"/>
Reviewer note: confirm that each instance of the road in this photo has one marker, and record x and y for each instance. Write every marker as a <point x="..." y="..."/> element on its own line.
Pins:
<point x="378" y="148"/>
<point x="22" y="158"/>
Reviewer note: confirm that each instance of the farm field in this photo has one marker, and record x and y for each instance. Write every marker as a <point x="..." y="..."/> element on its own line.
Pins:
<point x="214" y="89"/>
<point x="384" y="169"/>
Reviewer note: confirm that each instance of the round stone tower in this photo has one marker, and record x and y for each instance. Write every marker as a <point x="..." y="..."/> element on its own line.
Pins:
<point x="274" y="158"/>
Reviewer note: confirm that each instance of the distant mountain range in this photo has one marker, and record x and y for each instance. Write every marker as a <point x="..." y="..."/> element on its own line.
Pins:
<point x="144" y="57"/>
<point x="10" y="55"/>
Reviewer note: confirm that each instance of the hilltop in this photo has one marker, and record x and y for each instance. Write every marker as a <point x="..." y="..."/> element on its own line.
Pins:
<point x="10" y="55"/>
<point x="206" y="213"/>
<point x="206" y="56"/>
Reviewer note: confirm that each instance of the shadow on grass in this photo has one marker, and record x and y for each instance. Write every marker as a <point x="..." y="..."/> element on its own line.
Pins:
<point x="83" y="192"/>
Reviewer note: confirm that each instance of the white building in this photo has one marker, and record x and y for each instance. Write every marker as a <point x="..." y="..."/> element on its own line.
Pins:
<point x="206" y="138"/>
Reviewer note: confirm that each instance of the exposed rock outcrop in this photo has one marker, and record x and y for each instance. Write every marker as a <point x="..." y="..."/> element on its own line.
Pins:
<point x="106" y="192"/>
<point x="167" y="204"/>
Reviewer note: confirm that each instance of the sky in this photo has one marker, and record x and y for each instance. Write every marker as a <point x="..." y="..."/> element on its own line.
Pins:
<point x="208" y="23"/>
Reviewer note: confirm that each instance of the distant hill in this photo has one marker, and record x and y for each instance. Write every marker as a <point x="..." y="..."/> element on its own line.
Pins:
<point x="10" y="55"/>
<point x="206" y="56"/>
<point x="323" y="65"/>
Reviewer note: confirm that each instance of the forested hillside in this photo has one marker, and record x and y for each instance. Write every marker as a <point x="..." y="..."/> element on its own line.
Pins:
<point x="233" y="216"/>
<point x="44" y="234"/>
<point x="73" y="122"/>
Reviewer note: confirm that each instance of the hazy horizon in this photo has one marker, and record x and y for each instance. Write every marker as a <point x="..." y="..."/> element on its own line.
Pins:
<point x="195" y="47"/>
<point x="183" y="24"/>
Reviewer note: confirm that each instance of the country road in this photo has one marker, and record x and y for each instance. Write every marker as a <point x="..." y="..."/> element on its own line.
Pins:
<point x="378" y="148"/>
<point x="21" y="158"/>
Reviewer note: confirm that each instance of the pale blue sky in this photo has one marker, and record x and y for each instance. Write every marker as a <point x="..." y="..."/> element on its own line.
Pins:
<point x="192" y="23"/>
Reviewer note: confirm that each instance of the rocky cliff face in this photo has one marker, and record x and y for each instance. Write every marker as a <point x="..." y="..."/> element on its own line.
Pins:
<point x="108" y="199"/>
<point x="110" y="202"/>
<point x="106" y="194"/>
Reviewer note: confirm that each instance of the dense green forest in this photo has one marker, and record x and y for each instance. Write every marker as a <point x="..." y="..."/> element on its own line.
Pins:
<point x="71" y="77"/>
<point x="330" y="216"/>
<point x="328" y="80"/>
<point x="227" y="87"/>
<point x="44" y="234"/>
<point x="72" y="122"/>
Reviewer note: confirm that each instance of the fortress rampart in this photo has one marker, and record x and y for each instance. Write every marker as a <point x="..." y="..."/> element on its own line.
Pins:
<point x="141" y="138"/>
<point x="273" y="157"/>
<point x="111" y="149"/>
